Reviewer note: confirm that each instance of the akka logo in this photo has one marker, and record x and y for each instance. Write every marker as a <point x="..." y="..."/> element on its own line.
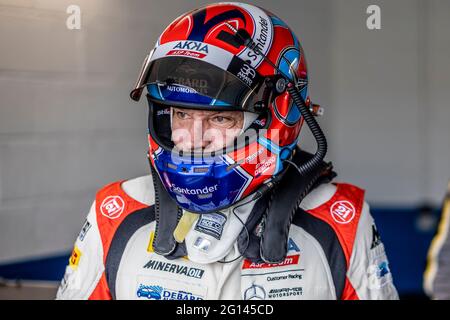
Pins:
<point x="192" y="45"/>
<point x="189" y="48"/>
<point x="112" y="207"/>
<point x="342" y="212"/>
<point x="290" y="260"/>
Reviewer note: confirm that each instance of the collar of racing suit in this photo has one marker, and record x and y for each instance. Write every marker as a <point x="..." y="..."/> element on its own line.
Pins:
<point x="260" y="225"/>
<point x="212" y="236"/>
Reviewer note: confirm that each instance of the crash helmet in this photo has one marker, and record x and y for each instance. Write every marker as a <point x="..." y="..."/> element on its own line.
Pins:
<point x="203" y="61"/>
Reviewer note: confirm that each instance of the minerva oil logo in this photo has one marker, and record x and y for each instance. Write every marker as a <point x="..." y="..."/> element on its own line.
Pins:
<point x="175" y="268"/>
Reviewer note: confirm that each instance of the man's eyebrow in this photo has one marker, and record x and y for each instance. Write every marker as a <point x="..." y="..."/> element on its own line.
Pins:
<point x="213" y="113"/>
<point x="209" y="113"/>
<point x="228" y="113"/>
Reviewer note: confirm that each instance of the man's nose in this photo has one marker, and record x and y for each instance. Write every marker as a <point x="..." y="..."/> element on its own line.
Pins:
<point x="198" y="128"/>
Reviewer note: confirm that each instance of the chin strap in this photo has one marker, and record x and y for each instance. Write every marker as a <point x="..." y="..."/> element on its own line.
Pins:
<point x="272" y="215"/>
<point x="167" y="215"/>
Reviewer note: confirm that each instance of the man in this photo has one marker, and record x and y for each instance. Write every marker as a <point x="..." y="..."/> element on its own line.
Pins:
<point x="436" y="278"/>
<point x="233" y="208"/>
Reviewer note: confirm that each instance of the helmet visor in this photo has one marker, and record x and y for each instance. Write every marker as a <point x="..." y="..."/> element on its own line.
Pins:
<point x="198" y="84"/>
<point x="202" y="133"/>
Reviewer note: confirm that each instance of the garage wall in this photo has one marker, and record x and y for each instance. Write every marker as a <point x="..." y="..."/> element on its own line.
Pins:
<point x="389" y="100"/>
<point x="67" y="126"/>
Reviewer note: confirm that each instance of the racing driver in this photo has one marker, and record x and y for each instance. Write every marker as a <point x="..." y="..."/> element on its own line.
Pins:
<point x="233" y="208"/>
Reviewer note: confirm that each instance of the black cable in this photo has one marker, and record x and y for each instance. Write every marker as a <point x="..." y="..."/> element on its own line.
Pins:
<point x="245" y="228"/>
<point x="317" y="132"/>
<point x="294" y="165"/>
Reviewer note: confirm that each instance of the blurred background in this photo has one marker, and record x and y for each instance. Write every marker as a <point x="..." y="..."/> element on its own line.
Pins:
<point x="68" y="127"/>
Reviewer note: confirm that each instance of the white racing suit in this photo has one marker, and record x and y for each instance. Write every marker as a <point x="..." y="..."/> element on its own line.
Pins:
<point x="334" y="252"/>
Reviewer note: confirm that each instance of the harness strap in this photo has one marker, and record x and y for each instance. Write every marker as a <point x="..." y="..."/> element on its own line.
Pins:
<point x="167" y="215"/>
<point x="272" y="215"/>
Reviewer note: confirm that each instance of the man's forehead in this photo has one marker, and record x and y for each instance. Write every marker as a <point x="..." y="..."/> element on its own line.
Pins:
<point x="208" y="112"/>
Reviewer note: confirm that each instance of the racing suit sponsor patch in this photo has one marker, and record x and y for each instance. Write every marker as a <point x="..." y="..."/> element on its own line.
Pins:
<point x="64" y="283"/>
<point x="376" y="239"/>
<point x="72" y="281"/>
<point x="161" y="293"/>
<point x="289" y="276"/>
<point x="285" y="292"/>
<point x="259" y="292"/>
<point x="378" y="272"/>
<point x="84" y="230"/>
<point x="290" y="260"/>
<point x="342" y="211"/>
<point x="255" y="292"/>
<point x="211" y="224"/>
<point x="292" y="246"/>
<point x="175" y="268"/>
<point x="112" y="207"/>
<point x="74" y="259"/>
<point x="160" y="288"/>
<point x="150" y="242"/>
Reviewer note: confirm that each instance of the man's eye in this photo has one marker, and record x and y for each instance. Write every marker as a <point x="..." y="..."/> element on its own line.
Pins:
<point x="220" y="119"/>
<point x="181" y="115"/>
<point x="223" y="122"/>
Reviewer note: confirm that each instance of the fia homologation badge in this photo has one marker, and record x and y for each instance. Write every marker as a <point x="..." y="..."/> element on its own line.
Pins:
<point x="212" y="224"/>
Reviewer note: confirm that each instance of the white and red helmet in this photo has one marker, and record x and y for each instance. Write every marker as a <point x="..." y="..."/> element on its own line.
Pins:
<point x="200" y="61"/>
